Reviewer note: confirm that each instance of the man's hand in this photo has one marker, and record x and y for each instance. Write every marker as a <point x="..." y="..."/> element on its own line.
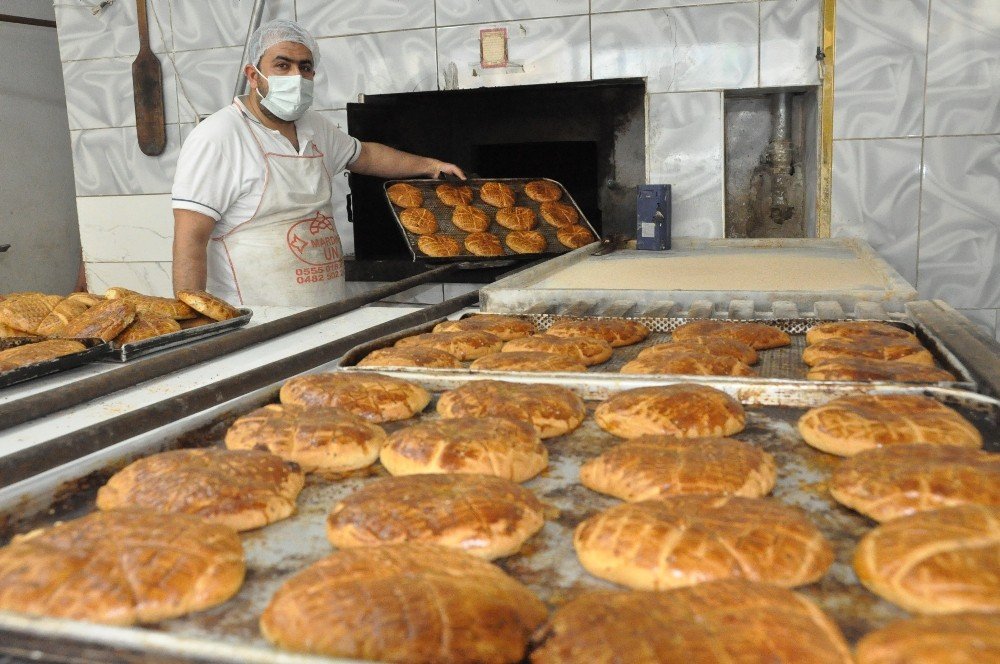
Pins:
<point x="192" y="231"/>
<point x="439" y="168"/>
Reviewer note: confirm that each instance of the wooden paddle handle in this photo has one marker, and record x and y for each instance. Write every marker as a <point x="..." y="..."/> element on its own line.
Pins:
<point x="140" y="6"/>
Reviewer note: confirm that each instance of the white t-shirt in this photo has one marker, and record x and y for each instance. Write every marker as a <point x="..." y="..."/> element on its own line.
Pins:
<point x="220" y="170"/>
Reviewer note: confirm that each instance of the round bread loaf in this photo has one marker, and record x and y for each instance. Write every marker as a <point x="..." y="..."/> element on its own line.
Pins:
<point x="961" y="638"/>
<point x="517" y="218"/>
<point x="942" y="561"/>
<point x="414" y="356"/>
<point x="850" y="424"/>
<point x="118" y="292"/>
<point x="53" y="324"/>
<point x="616" y="331"/>
<point x="121" y="567"/>
<point x="188" y="323"/>
<point x="160" y="306"/>
<point x="574" y="236"/>
<point x="586" y="350"/>
<point x="553" y="410"/>
<point x="147" y="326"/>
<point x="406" y="603"/>
<point x="105" y="320"/>
<point x="207" y="304"/>
<point x="652" y="466"/>
<point x="879" y="348"/>
<point x="497" y="194"/>
<point x="39" y="351"/>
<point x="374" y="397"/>
<point x="438" y="245"/>
<point x="418" y="220"/>
<point x="324" y="439"/>
<point x="542" y="191"/>
<point x="559" y="214"/>
<point x="677" y="541"/>
<point x="526" y="242"/>
<point x="711" y="345"/>
<point x="470" y="219"/>
<point x="489" y="517"/>
<point x="453" y="195"/>
<point x="505" y="327"/>
<point x="849" y="329"/>
<point x="242" y="489"/>
<point x="690" y="362"/>
<point x="865" y="369"/>
<point x="483" y="244"/>
<point x="405" y="195"/>
<point x="683" y="410"/>
<point x="720" y="621"/>
<point x="504" y="447"/>
<point x="527" y="361"/>
<point x="756" y="335"/>
<point x="463" y="345"/>
<point x="889" y="482"/>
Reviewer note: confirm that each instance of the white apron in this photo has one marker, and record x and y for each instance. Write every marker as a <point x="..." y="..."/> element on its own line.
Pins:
<point x="288" y="253"/>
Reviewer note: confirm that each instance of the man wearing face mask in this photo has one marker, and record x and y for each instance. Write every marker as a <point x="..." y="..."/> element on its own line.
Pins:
<point x="253" y="217"/>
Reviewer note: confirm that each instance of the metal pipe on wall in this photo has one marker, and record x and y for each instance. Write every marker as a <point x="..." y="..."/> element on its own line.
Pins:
<point x="256" y="13"/>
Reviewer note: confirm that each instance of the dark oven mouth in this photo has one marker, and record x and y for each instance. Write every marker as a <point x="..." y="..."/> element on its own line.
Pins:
<point x="590" y="136"/>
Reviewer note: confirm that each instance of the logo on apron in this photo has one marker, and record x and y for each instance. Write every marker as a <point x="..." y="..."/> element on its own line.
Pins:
<point x="314" y="240"/>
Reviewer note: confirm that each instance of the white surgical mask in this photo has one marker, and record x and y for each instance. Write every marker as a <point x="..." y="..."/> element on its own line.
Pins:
<point x="288" y="97"/>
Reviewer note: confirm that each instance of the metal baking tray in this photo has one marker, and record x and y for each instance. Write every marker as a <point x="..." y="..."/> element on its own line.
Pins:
<point x="443" y="212"/>
<point x="131" y="351"/>
<point x="97" y="349"/>
<point x="776" y="365"/>
<point x="547" y="562"/>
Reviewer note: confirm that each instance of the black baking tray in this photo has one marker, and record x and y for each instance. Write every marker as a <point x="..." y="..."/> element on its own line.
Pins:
<point x="97" y="349"/>
<point x="443" y="213"/>
<point x="127" y="352"/>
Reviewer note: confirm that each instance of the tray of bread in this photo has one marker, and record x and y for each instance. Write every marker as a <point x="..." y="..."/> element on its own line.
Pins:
<point x="363" y="516"/>
<point x="487" y="219"/>
<point x="26" y="358"/>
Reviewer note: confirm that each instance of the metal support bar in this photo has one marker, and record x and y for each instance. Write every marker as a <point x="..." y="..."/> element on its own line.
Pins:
<point x="824" y="196"/>
<point x="160" y="364"/>
<point x="24" y="20"/>
<point x="72" y="446"/>
<point x="256" y="13"/>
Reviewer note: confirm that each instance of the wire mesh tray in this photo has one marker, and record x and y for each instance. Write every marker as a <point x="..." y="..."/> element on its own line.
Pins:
<point x="130" y="351"/>
<point x="97" y="349"/>
<point x="443" y="214"/>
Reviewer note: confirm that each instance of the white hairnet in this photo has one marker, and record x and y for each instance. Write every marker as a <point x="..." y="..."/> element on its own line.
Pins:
<point x="275" y="32"/>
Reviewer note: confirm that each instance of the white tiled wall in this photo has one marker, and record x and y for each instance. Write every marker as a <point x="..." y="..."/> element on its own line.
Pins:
<point x="917" y="109"/>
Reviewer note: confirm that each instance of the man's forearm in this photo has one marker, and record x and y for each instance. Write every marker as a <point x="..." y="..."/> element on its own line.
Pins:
<point x="190" y="268"/>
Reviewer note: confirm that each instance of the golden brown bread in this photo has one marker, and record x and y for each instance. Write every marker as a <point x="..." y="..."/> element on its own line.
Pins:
<point x="865" y="369"/>
<point x="616" y="331"/>
<point x="497" y="194"/>
<point x="207" y="304"/>
<point x="586" y="350"/>
<point x="489" y="517"/>
<point x="374" y="397"/>
<point x="418" y="220"/>
<point x="483" y="244"/>
<point x="415" y="356"/>
<point x="121" y="567"/>
<point x="652" y="466"/>
<point x="8" y="332"/>
<point x="756" y="335"/>
<point x="53" y="324"/>
<point x="454" y="195"/>
<point x="574" y="236"/>
<point x="526" y="242"/>
<point x="849" y="329"/>
<point x="160" y="306"/>
<point x="242" y="489"/>
<point x="961" y="638"/>
<point x="551" y="409"/>
<point x="558" y="214"/>
<point x="505" y="327"/>
<point x="942" y="561"/>
<point x="711" y="345"/>
<point x="33" y="353"/>
<point x="517" y="218"/>
<point x="470" y="219"/>
<point x="732" y="621"/>
<point x="90" y="299"/>
<point x="484" y="445"/>
<point x="542" y="191"/>
<point x="147" y="326"/>
<point x="438" y="245"/>
<point x="26" y="311"/>
<point x="850" y="424"/>
<point x="683" y="410"/>
<point x="406" y="603"/>
<point x="188" y="323"/>
<point x="889" y="482"/>
<point x="463" y="345"/>
<point x="116" y="292"/>
<point x="317" y="439"/>
<point x="688" y="362"/>
<point x="405" y="195"/>
<point x="878" y="348"/>
<point x="105" y="320"/>
<point x="527" y="361"/>
<point x="677" y="541"/>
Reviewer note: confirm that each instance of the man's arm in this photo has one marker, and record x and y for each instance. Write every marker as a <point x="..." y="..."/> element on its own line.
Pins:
<point x="383" y="161"/>
<point x="192" y="231"/>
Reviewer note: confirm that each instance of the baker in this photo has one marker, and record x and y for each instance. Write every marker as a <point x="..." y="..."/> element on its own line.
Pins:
<point x="253" y="216"/>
